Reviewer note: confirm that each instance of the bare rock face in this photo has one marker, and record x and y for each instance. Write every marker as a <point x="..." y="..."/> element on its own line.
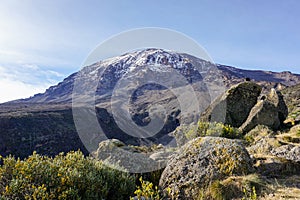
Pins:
<point x="270" y="110"/>
<point x="244" y="106"/>
<point x="200" y="162"/>
<point x="289" y="152"/>
<point x="234" y="106"/>
<point x="264" y="113"/>
<point x="277" y="99"/>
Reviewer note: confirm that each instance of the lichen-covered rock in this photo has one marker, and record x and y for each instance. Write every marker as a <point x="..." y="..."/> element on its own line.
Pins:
<point x="201" y="161"/>
<point x="270" y="111"/>
<point x="117" y="155"/>
<point x="291" y="97"/>
<point x="234" y="106"/>
<point x="263" y="146"/>
<point x="289" y="152"/>
<point x="161" y="157"/>
<point x="263" y="113"/>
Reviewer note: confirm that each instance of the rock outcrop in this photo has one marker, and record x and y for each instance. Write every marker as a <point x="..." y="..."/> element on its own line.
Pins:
<point x="202" y="161"/>
<point x="234" y="106"/>
<point x="117" y="155"/>
<point x="270" y="110"/>
<point x="244" y="106"/>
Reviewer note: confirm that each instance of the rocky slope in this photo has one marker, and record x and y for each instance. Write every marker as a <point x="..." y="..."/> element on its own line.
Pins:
<point x="261" y="164"/>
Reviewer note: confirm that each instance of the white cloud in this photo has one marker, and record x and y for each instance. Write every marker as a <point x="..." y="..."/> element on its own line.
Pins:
<point x="24" y="81"/>
<point x="11" y="90"/>
<point x="12" y="57"/>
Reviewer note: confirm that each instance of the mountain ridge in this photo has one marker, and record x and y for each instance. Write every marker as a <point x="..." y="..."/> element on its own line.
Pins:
<point x="231" y="75"/>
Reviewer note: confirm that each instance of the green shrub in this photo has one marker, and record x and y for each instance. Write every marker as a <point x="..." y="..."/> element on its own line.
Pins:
<point x="146" y="191"/>
<point x="230" y="132"/>
<point x="250" y="195"/>
<point x="70" y="176"/>
<point x="213" y="129"/>
<point x="249" y="139"/>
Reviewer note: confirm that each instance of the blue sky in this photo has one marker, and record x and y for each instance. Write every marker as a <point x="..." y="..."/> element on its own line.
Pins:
<point x="41" y="42"/>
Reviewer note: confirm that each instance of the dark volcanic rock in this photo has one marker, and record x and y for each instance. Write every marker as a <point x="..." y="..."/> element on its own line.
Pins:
<point x="234" y="106"/>
<point x="270" y="111"/>
<point x="202" y="161"/>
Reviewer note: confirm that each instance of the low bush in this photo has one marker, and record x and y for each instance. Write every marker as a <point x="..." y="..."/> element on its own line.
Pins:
<point x="213" y="129"/>
<point x="70" y="176"/>
<point x="146" y="190"/>
<point x="242" y="187"/>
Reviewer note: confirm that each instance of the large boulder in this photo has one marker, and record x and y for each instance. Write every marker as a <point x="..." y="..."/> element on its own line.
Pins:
<point x="116" y="154"/>
<point x="277" y="99"/>
<point x="201" y="161"/>
<point x="161" y="156"/>
<point x="234" y="106"/>
<point x="270" y="110"/>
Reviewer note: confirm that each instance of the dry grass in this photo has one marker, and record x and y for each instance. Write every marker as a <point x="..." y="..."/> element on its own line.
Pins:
<point x="287" y="188"/>
<point x="290" y="137"/>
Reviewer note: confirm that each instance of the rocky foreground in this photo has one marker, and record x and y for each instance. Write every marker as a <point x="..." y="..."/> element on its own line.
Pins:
<point x="245" y="145"/>
<point x="255" y="156"/>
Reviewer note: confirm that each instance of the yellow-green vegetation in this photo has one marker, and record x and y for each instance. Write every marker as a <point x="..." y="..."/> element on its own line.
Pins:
<point x="66" y="176"/>
<point x="257" y="133"/>
<point x="261" y="140"/>
<point x="282" y="188"/>
<point x="293" y="116"/>
<point x="146" y="191"/>
<point x="235" y="187"/>
<point x="229" y="162"/>
<point x="290" y="137"/>
<point x="213" y="129"/>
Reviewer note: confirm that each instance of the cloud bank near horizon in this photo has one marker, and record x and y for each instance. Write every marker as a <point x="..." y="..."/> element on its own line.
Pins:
<point x="24" y="81"/>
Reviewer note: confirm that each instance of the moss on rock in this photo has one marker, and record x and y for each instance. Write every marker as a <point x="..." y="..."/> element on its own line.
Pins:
<point x="200" y="162"/>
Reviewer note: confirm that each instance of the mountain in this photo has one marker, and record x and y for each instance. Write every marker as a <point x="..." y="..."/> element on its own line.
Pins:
<point x="137" y="88"/>
<point x="156" y="60"/>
